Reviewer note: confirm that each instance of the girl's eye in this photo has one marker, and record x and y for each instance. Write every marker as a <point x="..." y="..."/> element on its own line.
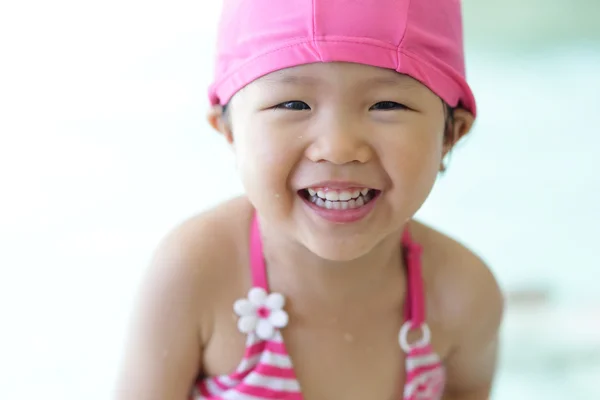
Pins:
<point x="293" y="105"/>
<point x="388" y="105"/>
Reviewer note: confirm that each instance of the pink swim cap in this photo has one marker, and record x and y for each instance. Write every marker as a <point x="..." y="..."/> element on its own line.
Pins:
<point x="419" y="38"/>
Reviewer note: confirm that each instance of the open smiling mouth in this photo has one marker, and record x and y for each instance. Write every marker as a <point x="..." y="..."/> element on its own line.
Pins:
<point x="333" y="199"/>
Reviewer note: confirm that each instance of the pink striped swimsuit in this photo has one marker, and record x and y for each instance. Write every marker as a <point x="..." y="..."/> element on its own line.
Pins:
<point x="266" y="371"/>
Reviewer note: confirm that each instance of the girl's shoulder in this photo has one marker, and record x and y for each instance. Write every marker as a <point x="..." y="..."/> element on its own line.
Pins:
<point x="192" y="277"/>
<point x="206" y="256"/>
<point x="213" y="243"/>
<point x="465" y="303"/>
<point x="214" y="236"/>
<point x="462" y="292"/>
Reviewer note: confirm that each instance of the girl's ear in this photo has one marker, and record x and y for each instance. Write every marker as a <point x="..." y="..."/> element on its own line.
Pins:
<point x="462" y="122"/>
<point x="218" y="120"/>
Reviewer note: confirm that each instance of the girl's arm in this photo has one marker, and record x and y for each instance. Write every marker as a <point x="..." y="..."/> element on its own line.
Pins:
<point x="472" y="364"/>
<point x="163" y="352"/>
<point x="472" y="373"/>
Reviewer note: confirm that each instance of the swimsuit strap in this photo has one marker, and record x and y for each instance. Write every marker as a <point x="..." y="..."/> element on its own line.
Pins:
<point x="415" y="300"/>
<point x="257" y="261"/>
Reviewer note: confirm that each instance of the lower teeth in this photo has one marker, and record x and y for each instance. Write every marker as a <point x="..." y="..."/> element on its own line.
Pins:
<point x="342" y="205"/>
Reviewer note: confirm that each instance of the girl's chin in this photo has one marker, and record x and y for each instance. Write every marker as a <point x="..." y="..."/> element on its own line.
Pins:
<point x="339" y="250"/>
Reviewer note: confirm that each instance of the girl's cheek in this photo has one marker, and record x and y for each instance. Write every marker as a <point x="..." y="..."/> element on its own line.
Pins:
<point x="266" y="162"/>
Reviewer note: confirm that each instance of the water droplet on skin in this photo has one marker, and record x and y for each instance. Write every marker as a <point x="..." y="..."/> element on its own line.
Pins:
<point x="276" y="195"/>
<point x="348" y="337"/>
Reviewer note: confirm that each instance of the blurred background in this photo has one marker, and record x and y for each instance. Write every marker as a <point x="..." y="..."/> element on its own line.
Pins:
<point x="104" y="148"/>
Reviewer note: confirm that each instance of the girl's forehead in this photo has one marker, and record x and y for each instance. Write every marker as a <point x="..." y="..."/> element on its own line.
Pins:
<point x="322" y="74"/>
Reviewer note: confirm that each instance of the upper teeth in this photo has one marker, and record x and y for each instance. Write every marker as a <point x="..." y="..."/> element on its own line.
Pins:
<point x="337" y="195"/>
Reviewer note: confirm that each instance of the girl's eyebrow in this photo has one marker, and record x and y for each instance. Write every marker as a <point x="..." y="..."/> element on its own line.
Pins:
<point x="399" y="82"/>
<point x="290" y="79"/>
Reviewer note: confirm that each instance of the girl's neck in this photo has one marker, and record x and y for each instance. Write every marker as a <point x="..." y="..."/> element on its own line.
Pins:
<point x="293" y="266"/>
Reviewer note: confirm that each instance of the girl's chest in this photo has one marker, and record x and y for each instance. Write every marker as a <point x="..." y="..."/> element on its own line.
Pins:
<point x="363" y="361"/>
<point x="332" y="357"/>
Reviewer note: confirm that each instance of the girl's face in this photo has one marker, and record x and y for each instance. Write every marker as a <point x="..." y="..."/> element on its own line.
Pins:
<point x="337" y="156"/>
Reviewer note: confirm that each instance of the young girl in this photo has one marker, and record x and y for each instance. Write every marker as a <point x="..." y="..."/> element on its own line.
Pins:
<point x="318" y="284"/>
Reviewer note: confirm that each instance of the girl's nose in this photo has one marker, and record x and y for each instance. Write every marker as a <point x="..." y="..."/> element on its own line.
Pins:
<point x="339" y="141"/>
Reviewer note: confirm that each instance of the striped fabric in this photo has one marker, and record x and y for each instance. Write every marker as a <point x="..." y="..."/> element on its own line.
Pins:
<point x="425" y="375"/>
<point x="265" y="372"/>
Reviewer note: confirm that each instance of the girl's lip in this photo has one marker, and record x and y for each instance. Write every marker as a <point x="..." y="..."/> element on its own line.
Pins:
<point x="342" y="216"/>
<point x="341" y="185"/>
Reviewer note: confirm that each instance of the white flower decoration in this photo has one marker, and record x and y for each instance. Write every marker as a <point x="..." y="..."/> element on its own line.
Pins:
<point x="261" y="313"/>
